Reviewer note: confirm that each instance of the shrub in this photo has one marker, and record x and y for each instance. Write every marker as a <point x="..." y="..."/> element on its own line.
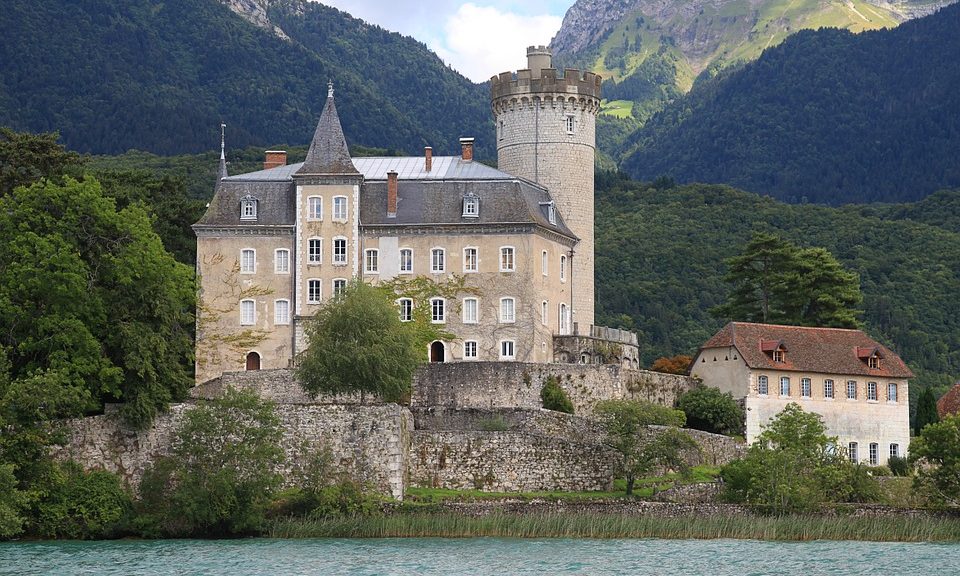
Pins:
<point x="899" y="466"/>
<point x="553" y="396"/>
<point x="221" y="474"/>
<point x="76" y="504"/>
<point x="711" y="410"/>
<point x="11" y="504"/>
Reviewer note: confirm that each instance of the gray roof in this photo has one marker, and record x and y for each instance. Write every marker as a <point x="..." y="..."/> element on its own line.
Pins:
<point x="275" y="204"/>
<point x="407" y="168"/>
<point x="436" y="202"/>
<point x="328" y="153"/>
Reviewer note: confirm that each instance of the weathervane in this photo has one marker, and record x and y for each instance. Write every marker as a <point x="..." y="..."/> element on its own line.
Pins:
<point x="222" y="142"/>
<point x="329" y="88"/>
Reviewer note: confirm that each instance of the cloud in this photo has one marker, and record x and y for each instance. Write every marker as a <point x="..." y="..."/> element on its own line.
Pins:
<point x="479" y="39"/>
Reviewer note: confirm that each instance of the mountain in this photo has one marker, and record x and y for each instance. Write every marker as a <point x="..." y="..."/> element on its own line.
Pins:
<point x="827" y="116"/>
<point x="651" y="51"/>
<point x="661" y="251"/>
<point x="113" y="75"/>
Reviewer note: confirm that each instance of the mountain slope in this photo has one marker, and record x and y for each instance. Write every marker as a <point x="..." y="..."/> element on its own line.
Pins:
<point x="161" y="76"/>
<point x="828" y="116"/>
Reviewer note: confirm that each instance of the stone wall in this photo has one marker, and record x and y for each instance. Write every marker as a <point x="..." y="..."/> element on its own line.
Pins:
<point x="369" y="442"/>
<point x="517" y="385"/>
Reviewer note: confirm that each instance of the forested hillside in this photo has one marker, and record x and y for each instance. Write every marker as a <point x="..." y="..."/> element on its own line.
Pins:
<point x="114" y="75"/>
<point x="827" y="116"/>
<point x="661" y="252"/>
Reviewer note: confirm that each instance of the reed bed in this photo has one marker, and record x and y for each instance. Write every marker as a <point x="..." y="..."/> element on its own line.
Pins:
<point x="920" y="528"/>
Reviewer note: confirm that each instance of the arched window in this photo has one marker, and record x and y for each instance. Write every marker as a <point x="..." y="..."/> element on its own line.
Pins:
<point x="248" y="312"/>
<point x="253" y="361"/>
<point x="438" y="260"/>
<point x="281" y="261"/>
<point x="406" y="261"/>
<point x="281" y="312"/>
<point x="508" y="310"/>
<point x="507" y="261"/>
<point x="563" y="267"/>
<point x="315" y="208"/>
<point x="248" y="208"/>
<point x="340" y="208"/>
<point x="763" y="386"/>
<point x="563" y="319"/>
<point x="248" y="261"/>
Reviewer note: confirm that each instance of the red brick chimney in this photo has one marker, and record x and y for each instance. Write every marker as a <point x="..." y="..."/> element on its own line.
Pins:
<point x="428" y="158"/>
<point x="391" y="194"/>
<point x="466" y="149"/>
<point x="275" y="158"/>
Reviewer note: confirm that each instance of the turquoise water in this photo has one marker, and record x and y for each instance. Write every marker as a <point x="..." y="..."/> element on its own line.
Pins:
<point x="475" y="557"/>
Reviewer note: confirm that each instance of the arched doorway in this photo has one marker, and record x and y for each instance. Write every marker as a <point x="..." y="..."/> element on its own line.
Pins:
<point x="436" y="352"/>
<point x="253" y="361"/>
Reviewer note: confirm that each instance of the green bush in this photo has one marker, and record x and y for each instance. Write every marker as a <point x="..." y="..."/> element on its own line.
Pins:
<point x="12" y="502"/>
<point x="553" y="396"/>
<point x="899" y="466"/>
<point x="76" y="504"/>
<point x="711" y="410"/>
<point x="221" y="475"/>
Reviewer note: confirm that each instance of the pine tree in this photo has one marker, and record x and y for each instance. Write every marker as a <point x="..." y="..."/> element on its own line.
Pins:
<point x="926" y="411"/>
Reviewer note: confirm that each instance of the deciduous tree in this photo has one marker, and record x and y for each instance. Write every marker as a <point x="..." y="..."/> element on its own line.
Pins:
<point x="937" y="449"/>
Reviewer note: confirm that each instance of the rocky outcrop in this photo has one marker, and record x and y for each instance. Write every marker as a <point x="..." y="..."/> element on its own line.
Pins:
<point x="255" y="12"/>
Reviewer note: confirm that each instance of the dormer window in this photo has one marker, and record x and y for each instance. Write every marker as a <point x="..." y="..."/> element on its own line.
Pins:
<point x="778" y="356"/>
<point x="775" y="349"/>
<point x="248" y="208"/>
<point x="871" y="356"/>
<point x="873" y="362"/>
<point x="551" y="210"/>
<point x="471" y="205"/>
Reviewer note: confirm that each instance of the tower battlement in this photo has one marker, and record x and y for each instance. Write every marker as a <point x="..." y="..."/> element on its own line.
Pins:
<point x="541" y="78"/>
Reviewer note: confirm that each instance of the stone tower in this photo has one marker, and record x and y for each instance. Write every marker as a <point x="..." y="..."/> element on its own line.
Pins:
<point x="546" y="132"/>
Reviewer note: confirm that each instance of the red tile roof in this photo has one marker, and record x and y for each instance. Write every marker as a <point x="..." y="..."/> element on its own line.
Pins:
<point x="949" y="403"/>
<point x="824" y="350"/>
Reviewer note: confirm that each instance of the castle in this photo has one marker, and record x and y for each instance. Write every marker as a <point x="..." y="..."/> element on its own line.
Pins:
<point x="509" y="250"/>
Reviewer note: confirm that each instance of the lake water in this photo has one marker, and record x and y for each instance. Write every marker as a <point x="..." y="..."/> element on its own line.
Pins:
<point x="475" y="557"/>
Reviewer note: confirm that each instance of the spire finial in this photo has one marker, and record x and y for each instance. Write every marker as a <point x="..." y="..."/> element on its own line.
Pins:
<point x="329" y="88"/>
<point x="222" y="140"/>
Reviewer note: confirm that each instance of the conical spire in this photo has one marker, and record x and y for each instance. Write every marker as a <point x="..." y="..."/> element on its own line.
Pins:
<point x="328" y="153"/>
<point x="222" y="169"/>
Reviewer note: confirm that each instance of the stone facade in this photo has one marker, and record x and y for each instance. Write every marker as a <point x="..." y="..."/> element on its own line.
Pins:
<point x="546" y="132"/>
<point x="598" y="345"/>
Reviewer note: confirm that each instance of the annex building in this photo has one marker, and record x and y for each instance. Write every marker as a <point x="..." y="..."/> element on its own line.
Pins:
<point x="858" y="386"/>
<point x="508" y="253"/>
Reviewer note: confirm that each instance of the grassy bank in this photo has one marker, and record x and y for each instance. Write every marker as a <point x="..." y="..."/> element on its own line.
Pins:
<point x="584" y="525"/>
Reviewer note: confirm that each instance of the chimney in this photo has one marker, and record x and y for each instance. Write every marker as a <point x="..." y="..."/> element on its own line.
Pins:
<point x="466" y="149"/>
<point x="391" y="194"/>
<point x="275" y="158"/>
<point x="428" y="158"/>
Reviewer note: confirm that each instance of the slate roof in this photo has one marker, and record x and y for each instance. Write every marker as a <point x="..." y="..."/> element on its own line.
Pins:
<point x="275" y="204"/>
<point x="949" y="403"/>
<point x="328" y="153"/>
<point x="824" y="350"/>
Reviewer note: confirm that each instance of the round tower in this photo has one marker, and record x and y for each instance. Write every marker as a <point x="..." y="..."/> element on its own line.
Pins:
<point x="546" y="132"/>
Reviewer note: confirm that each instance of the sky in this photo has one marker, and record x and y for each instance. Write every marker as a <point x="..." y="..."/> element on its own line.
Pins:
<point x="479" y="38"/>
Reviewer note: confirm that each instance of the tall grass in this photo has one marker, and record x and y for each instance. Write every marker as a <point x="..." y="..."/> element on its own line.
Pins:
<point x="585" y="525"/>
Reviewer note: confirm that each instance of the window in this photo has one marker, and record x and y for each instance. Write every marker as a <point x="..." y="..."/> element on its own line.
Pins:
<point x="248" y="208"/>
<point x="507" y="351"/>
<point x="543" y="262"/>
<point x="563" y="268"/>
<point x="891" y="392"/>
<point x="828" y="388"/>
<point x="314" y="291"/>
<point x="470" y="262"/>
<point x="248" y="312"/>
<point x="437" y="256"/>
<point x="248" y="261"/>
<point x="406" y="261"/>
<point x="569" y="123"/>
<point x="763" y="386"/>
<point x="281" y="312"/>
<point x="340" y="208"/>
<point x="852" y="452"/>
<point x="339" y="285"/>
<point x="470" y="310"/>
<point x="470" y="350"/>
<point x="805" y="388"/>
<point x="894" y="450"/>
<point x="871" y="390"/>
<point x="851" y="389"/>
<point x="314" y="208"/>
<point x="507" y="310"/>
<point x="471" y="205"/>
<point x="437" y="313"/>
<point x="406" y="309"/>
<point x="281" y="261"/>
<point x="873" y="362"/>
<point x="874" y="450"/>
<point x="779" y="355"/>
<point x="564" y="319"/>
<point x="506" y="259"/>
<point x="552" y="213"/>
<point x="371" y="261"/>
<point x="544" y="313"/>
<point x="314" y="251"/>
<point x="784" y="386"/>
<point x="339" y="251"/>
